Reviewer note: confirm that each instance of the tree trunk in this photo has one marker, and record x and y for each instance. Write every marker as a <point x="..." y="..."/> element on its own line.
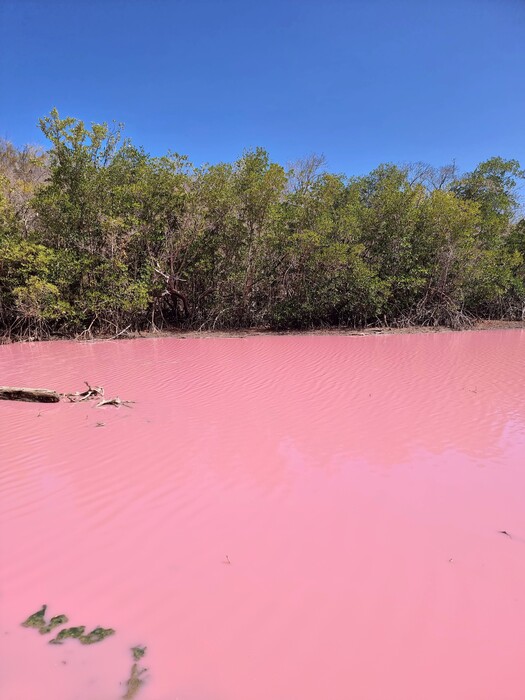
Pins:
<point x="14" y="393"/>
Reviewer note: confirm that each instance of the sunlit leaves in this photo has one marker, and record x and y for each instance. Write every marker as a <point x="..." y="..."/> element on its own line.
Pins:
<point x="91" y="230"/>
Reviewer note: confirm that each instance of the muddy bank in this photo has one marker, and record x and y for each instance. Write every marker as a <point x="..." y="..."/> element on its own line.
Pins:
<point x="253" y="332"/>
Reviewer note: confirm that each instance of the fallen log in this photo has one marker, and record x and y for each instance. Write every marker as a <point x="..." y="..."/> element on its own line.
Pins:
<point x="17" y="393"/>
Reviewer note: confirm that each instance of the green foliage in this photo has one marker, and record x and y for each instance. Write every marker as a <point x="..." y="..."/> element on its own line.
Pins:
<point x="8" y="221"/>
<point x="96" y="236"/>
<point x="31" y="297"/>
<point x="70" y="205"/>
<point x="493" y="186"/>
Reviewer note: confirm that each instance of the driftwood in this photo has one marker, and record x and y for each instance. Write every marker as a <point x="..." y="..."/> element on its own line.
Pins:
<point x="92" y="392"/>
<point x="14" y="393"/>
<point x="11" y="393"/>
<point x="114" y="402"/>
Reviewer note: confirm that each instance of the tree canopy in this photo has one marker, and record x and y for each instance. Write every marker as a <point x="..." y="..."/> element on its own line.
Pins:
<point x="97" y="236"/>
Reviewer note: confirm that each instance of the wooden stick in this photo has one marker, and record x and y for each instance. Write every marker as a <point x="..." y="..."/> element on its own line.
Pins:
<point x="16" y="393"/>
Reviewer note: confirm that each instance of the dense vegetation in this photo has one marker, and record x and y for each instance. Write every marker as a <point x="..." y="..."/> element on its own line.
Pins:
<point x="96" y="236"/>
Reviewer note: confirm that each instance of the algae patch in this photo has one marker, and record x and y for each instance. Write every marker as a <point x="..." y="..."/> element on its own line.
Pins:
<point x="38" y="621"/>
<point x="138" y="652"/>
<point x="96" y="635"/>
<point x="135" y="682"/>
<point x="54" y="622"/>
<point x="75" y="632"/>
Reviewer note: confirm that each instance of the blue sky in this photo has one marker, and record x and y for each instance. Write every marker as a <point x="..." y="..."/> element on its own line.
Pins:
<point x="361" y="81"/>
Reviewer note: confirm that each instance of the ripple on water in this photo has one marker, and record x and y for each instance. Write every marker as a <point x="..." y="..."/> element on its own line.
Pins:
<point x="275" y="517"/>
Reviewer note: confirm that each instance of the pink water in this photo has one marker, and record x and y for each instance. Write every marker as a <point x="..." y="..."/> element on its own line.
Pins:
<point x="356" y="485"/>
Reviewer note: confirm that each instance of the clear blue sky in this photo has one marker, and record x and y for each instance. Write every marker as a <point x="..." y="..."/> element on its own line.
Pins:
<point x="361" y="81"/>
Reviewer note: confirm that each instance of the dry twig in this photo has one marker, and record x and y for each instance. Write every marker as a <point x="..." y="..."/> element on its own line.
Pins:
<point x="92" y="392"/>
<point x="117" y="401"/>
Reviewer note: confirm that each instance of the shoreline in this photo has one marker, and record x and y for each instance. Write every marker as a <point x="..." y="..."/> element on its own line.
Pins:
<point x="485" y="325"/>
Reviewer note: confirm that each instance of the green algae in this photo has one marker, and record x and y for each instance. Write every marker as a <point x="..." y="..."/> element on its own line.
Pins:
<point x="37" y="619"/>
<point x="138" y="652"/>
<point x="74" y="632"/>
<point x="96" y="635"/>
<point x="135" y="682"/>
<point x="54" y="622"/>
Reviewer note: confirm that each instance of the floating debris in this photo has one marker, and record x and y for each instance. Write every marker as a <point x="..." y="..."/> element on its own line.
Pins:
<point x="20" y="393"/>
<point x="11" y="393"/>
<point x="114" y="402"/>
<point x="92" y="392"/>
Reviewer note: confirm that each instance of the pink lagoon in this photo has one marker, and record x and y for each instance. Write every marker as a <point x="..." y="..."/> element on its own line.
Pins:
<point x="273" y="518"/>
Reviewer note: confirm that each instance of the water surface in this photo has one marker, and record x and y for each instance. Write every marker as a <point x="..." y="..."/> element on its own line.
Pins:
<point x="276" y="518"/>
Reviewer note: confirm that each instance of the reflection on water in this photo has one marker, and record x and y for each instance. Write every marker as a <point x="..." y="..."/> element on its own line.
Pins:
<point x="275" y="517"/>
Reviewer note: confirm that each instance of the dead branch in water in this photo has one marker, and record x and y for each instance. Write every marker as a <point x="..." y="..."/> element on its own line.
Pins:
<point x="13" y="393"/>
<point x="92" y="392"/>
<point x="117" y="401"/>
